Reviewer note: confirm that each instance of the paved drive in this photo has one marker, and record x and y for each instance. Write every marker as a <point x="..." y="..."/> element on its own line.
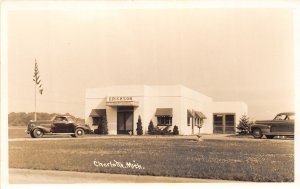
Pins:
<point x="28" y="176"/>
<point x="194" y="137"/>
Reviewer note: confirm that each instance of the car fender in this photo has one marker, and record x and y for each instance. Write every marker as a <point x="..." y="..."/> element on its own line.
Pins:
<point x="264" y="128"/>
<point x="44" y="129"/>
<point x="85" y="128"/>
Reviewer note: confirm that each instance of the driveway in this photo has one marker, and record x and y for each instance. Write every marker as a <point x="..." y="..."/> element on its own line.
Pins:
<point x="203" y="137"/>
<point x="28" y="176"/>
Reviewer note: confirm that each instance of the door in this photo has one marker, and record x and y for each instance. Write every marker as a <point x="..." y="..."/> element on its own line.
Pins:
<point x="224" y="123"/>
<point x="125" y="120"/>
<point x="218" y="123"/>
<point x="229" y="124"/>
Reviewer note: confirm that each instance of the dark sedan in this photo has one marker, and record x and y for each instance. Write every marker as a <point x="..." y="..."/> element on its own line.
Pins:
<point x="60" y="124"/>
<point x="282" y="125"/>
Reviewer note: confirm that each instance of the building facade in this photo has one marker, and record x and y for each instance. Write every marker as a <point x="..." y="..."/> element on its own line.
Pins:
<point x="166" y="106"/>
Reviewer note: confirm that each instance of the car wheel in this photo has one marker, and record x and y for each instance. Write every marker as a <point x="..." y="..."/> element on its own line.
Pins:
<point x="256" y="133"/>
<point x="79" y="132"/>
<point x="38" y="133"/>
<point x="31" y="134"/>
<point x="269" y="136"/>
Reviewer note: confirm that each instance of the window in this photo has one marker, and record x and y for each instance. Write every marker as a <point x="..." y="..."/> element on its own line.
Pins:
<point x="281" y="117"/>
<point x="189" y="117"/>
<point x="164" y="120"/>
<point x="188" y="120"/>
<point x="197" y="121"/>
<point x="96" y="120"/>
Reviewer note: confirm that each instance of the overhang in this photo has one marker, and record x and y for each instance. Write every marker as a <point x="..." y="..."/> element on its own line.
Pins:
<point x="190" y="113"/>
<point x="200" y="115"/>
<point x="98" y="113"/>
<point x="164" y="112"/>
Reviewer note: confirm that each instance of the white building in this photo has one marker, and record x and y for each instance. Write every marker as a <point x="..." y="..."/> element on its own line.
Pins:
<point x="166" y="106"/>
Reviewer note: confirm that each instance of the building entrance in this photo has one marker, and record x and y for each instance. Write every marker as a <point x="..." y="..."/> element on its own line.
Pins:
<point x="224" y="123"/>
<point x="125" y="120"/>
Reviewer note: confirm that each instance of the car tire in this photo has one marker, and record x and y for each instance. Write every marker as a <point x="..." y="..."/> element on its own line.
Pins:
<point x="270" y="136"/>
<point x="79" y="132"/>
<point x="37" y="133"/>
<point x="31" y="134"/>
<point x="256" y="133"/>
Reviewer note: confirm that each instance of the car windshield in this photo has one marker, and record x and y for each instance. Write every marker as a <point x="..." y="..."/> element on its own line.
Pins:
<point x="71" y="118"/>
<point x="53" y="118"/>
<point x="281" y="117"/>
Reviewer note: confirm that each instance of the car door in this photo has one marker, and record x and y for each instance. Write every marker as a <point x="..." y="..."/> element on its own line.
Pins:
<point x="291" y="123"/>
<point x="59" y="125"/>
<point x="69" y="126"/>
<point x="280" y="126"/>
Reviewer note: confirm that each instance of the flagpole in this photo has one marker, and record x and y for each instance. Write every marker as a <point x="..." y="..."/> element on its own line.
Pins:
<point x="37" y="81"/>
<point x="35" y="98"/>
<point x="34" y="101"/>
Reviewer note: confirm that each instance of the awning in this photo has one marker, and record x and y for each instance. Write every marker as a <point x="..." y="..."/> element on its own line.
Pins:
<point x="200" y="115"/>
<point x="164" y="112"/>
<point x="190" y="113"/>
<point x="98" y="113"/>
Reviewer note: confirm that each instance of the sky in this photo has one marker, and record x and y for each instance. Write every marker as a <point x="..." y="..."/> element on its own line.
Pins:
<point x="227" y="54"/>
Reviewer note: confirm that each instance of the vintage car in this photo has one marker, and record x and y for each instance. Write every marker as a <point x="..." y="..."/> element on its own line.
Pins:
<point x="60" y="124"/>
<point x="281" y="125"/>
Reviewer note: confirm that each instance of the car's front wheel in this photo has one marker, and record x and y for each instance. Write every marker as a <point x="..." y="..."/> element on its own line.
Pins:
<point x="79" y="132"/>
<point x="256" y="133"/>
<point x="37" y="133"/>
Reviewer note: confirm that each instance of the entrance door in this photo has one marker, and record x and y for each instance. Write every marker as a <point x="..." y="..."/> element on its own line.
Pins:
<point x="224" y="123"/>
<point x="125" y="120"/>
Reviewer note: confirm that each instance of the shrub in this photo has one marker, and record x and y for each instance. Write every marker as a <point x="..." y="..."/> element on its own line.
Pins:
<point x="139" y="127"/>
<point x="103" y="129"/>
<point x="244" y="125"/>
<point x="150" y="128"/>
<point x="175" y="130"/>
<point x="166" y="131"/>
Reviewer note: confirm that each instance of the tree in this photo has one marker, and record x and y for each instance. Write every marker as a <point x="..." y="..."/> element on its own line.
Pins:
<point x="150" y="128"/>
<point x="139" y="127"/>
<point x="103" y="129"/>
<point x="175" y="130"/>
<point x="22" y="118"/>
<point x="244" y="125"/>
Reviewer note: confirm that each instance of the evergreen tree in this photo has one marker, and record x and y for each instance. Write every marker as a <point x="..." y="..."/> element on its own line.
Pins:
<point x="103" y="128"/>
<point x="175" y="130"/>
<point x="150" y="128"/>
<point x="244" y="125"/>
<point x="139" y="127"/>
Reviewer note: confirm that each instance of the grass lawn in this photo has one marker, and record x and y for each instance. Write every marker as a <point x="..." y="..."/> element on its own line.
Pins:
<point x="17" y="132"/>
<point x="265" y="160"/>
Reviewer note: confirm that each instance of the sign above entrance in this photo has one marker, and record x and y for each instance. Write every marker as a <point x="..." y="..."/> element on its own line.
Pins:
<point x="119" y="98"/>
<point x="121" y="101"/>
